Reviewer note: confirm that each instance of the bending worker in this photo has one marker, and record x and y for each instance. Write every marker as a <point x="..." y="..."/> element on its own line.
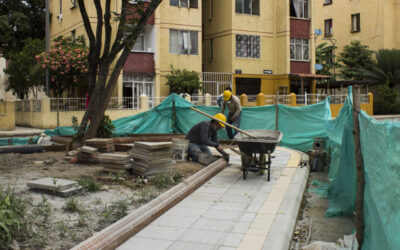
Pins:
<point x="235" y="111"/>
<point x="202" y="135"/>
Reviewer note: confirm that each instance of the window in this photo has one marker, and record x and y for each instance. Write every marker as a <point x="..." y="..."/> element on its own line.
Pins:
<point x="211" y="8"/>
<point x="328" y="27"/>
<point x="60" y="16"/>
<point x="247" y="46"/>
<point x="135" y="85"/>
<point x="184" y="3"/>
<point x="329" y="57"/>
<point x="299" y="49"/>
<point x="251" y="7"/>
<point x="139" y="44"/>
<point x="183" y="42"/>
<point x="299" y="8"/>
<point x="355" y="22"/>
<point x="74" y="4"/>
<point x="326" y="2"/>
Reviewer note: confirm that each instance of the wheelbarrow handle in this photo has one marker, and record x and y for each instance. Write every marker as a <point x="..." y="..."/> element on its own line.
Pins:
<point x="225" y="123"/>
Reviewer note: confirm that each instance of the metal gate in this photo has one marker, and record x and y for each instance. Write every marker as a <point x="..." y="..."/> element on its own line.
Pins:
<point x="215" y="83"/>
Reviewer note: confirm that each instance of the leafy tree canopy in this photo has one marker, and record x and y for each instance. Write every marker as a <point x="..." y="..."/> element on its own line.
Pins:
<point x="67" y="63"/>
<point x="24" y="74"/>
<point x="183" y="81"/>
<point x="355" y="57"/>
<point x="325" y="56"/>
<point x="20" y="20"/>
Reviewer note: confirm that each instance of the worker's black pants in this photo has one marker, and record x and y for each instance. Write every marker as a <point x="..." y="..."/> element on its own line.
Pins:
<point x="195" y="150"/>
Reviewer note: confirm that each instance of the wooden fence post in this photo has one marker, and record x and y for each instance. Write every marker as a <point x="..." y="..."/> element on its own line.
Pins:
<point x="359" y="167"/>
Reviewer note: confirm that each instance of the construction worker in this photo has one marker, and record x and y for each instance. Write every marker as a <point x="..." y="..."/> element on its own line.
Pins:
<point x="220" y="98"/>
<point x="235" y="111"/>
<point x="204" y="135"/>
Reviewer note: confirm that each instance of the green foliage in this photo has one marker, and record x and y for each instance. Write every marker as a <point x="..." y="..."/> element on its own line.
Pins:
<point x="24" y="74"/>
<point x="325" y="56"/>
<point x="386" y="102"/>
<point x="386" y="69"/>
<point x="12" y="215"/>
<point x="19" y="21"/>
<point x="75" y="123"/>
<point x="355" y="57"/>
<point x="143" y="196"/>
<point x="183" y="81"/>
<point x="114" y="212"/>
<point x="67" y="64"/>
<point x="72" y="206"/>
<point x="42" y="210"/>
<point x="106" y="128"/>
<point x="162" y="181"/>
<point x="89" y="184"/>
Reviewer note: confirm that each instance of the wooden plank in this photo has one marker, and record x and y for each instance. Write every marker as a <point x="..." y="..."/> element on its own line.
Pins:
<point x="360" y="169"/>
<point x="117" y="233"/>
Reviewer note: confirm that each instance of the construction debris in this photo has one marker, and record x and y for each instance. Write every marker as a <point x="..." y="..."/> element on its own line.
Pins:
<point x="104" y="145"/>
<point x="115" y="162"/>
<point x="59" y="187"/>
<point x="151" y="158"/>
<point x="88" y="154"/>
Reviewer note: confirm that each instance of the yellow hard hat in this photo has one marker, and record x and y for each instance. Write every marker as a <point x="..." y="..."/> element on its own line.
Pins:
<point x="221" y="117"/>
<point x="227" y="95"/>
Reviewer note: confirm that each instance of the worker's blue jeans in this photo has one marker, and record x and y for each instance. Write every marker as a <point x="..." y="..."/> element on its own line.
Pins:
<point x="195" y="150"/>
<point x="235" y="123"/>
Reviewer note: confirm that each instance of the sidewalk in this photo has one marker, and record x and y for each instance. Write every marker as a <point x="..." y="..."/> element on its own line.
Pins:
<point x="231" y="213"/>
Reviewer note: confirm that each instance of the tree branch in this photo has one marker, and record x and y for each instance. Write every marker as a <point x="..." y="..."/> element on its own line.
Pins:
<point x="107" y="25"/>
<point x="121" y="25"/>
<point x="86" y="23"/>
<point x="99" y="28"/>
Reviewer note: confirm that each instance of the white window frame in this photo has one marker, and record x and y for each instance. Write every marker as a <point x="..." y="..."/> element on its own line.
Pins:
<point x="184" y="39"/>
<point x="182" y="3"/>
<point x="302" y="45"/>
<point x="242" y="2"/>
<point x="142" y="84"/>
<point x="301" y="8"/>
<point x="242" y="47"/>
<point x="142" y="38"/>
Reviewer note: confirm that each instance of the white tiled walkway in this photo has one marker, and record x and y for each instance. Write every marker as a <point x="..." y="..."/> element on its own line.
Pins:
<point x="227" y="212"/>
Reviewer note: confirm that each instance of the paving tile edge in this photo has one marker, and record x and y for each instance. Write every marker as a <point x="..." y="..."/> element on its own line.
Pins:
<point x="281" y="231"/>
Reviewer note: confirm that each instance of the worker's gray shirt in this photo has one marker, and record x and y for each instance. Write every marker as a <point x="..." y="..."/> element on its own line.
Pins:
<point x="234" y="107"/>
<point x="202" y="133"/>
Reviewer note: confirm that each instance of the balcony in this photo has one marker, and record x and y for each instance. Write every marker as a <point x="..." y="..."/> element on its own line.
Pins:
<point x="139" y="62"/>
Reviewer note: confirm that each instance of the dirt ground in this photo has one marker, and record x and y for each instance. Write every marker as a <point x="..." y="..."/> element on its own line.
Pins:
<point x="312" y="225"/>
<point x="61" y="223"/>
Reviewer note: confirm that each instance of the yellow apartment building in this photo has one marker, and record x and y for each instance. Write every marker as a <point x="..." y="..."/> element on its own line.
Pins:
<point x="265" y="44"/>
<point x="373" y="22"/>
<point x="172" y="37"/>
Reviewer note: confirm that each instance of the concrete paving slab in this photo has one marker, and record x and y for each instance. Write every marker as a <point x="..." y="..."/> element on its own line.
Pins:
<point x="153" y="145"/>
<point x="52" y="184"/>
<point x="144" y="244"/>
<point x="178" y="245"/>
<point x="161" y="232"/>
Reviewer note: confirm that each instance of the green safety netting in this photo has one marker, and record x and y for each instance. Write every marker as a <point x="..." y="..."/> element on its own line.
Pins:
<point x="381" y="154"/>
<point x="299" y="124"/>
<point x="17" y="141"/>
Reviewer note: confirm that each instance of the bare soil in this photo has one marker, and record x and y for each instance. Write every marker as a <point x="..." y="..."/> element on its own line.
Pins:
<point x="312" y="225"/>
<point x="61" y="223"/>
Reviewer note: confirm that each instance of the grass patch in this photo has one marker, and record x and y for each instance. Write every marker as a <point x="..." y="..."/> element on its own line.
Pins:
<point x="72" y="206"/>
<point x="89" y="184"/>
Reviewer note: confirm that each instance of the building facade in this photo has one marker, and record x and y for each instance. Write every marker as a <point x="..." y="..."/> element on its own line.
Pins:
<point x="372" y="22"/>
<point x="265" y="44"/>
<point x="172" y="38"/>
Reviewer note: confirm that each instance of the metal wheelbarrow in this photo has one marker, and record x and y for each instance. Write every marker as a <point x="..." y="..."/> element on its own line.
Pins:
<point x="256" y="152"/>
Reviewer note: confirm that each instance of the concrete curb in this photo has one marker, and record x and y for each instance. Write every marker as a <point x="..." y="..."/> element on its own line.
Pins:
<point x="281" y="231"/>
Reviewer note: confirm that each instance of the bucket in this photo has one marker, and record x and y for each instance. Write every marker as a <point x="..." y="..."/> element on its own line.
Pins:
<point x="180" y="149"/>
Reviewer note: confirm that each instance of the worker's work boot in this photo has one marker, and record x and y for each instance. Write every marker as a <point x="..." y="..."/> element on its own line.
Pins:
<point x="207" y="159"/>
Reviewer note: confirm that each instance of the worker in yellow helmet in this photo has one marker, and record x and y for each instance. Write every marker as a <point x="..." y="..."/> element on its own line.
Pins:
<point x="235" y="111"/>
<point x="204" y="135"/>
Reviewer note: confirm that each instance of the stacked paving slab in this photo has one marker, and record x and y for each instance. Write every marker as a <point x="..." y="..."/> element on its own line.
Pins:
<point x="115" y="163"/>
<point x="104" y="145"/>
<point x="151" y="158"/>
<point x="59" y="187"/>
<point x="88" y="154"/>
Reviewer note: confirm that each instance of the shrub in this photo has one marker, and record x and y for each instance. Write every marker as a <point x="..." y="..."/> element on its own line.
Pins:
<point x="106" y="128"/>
